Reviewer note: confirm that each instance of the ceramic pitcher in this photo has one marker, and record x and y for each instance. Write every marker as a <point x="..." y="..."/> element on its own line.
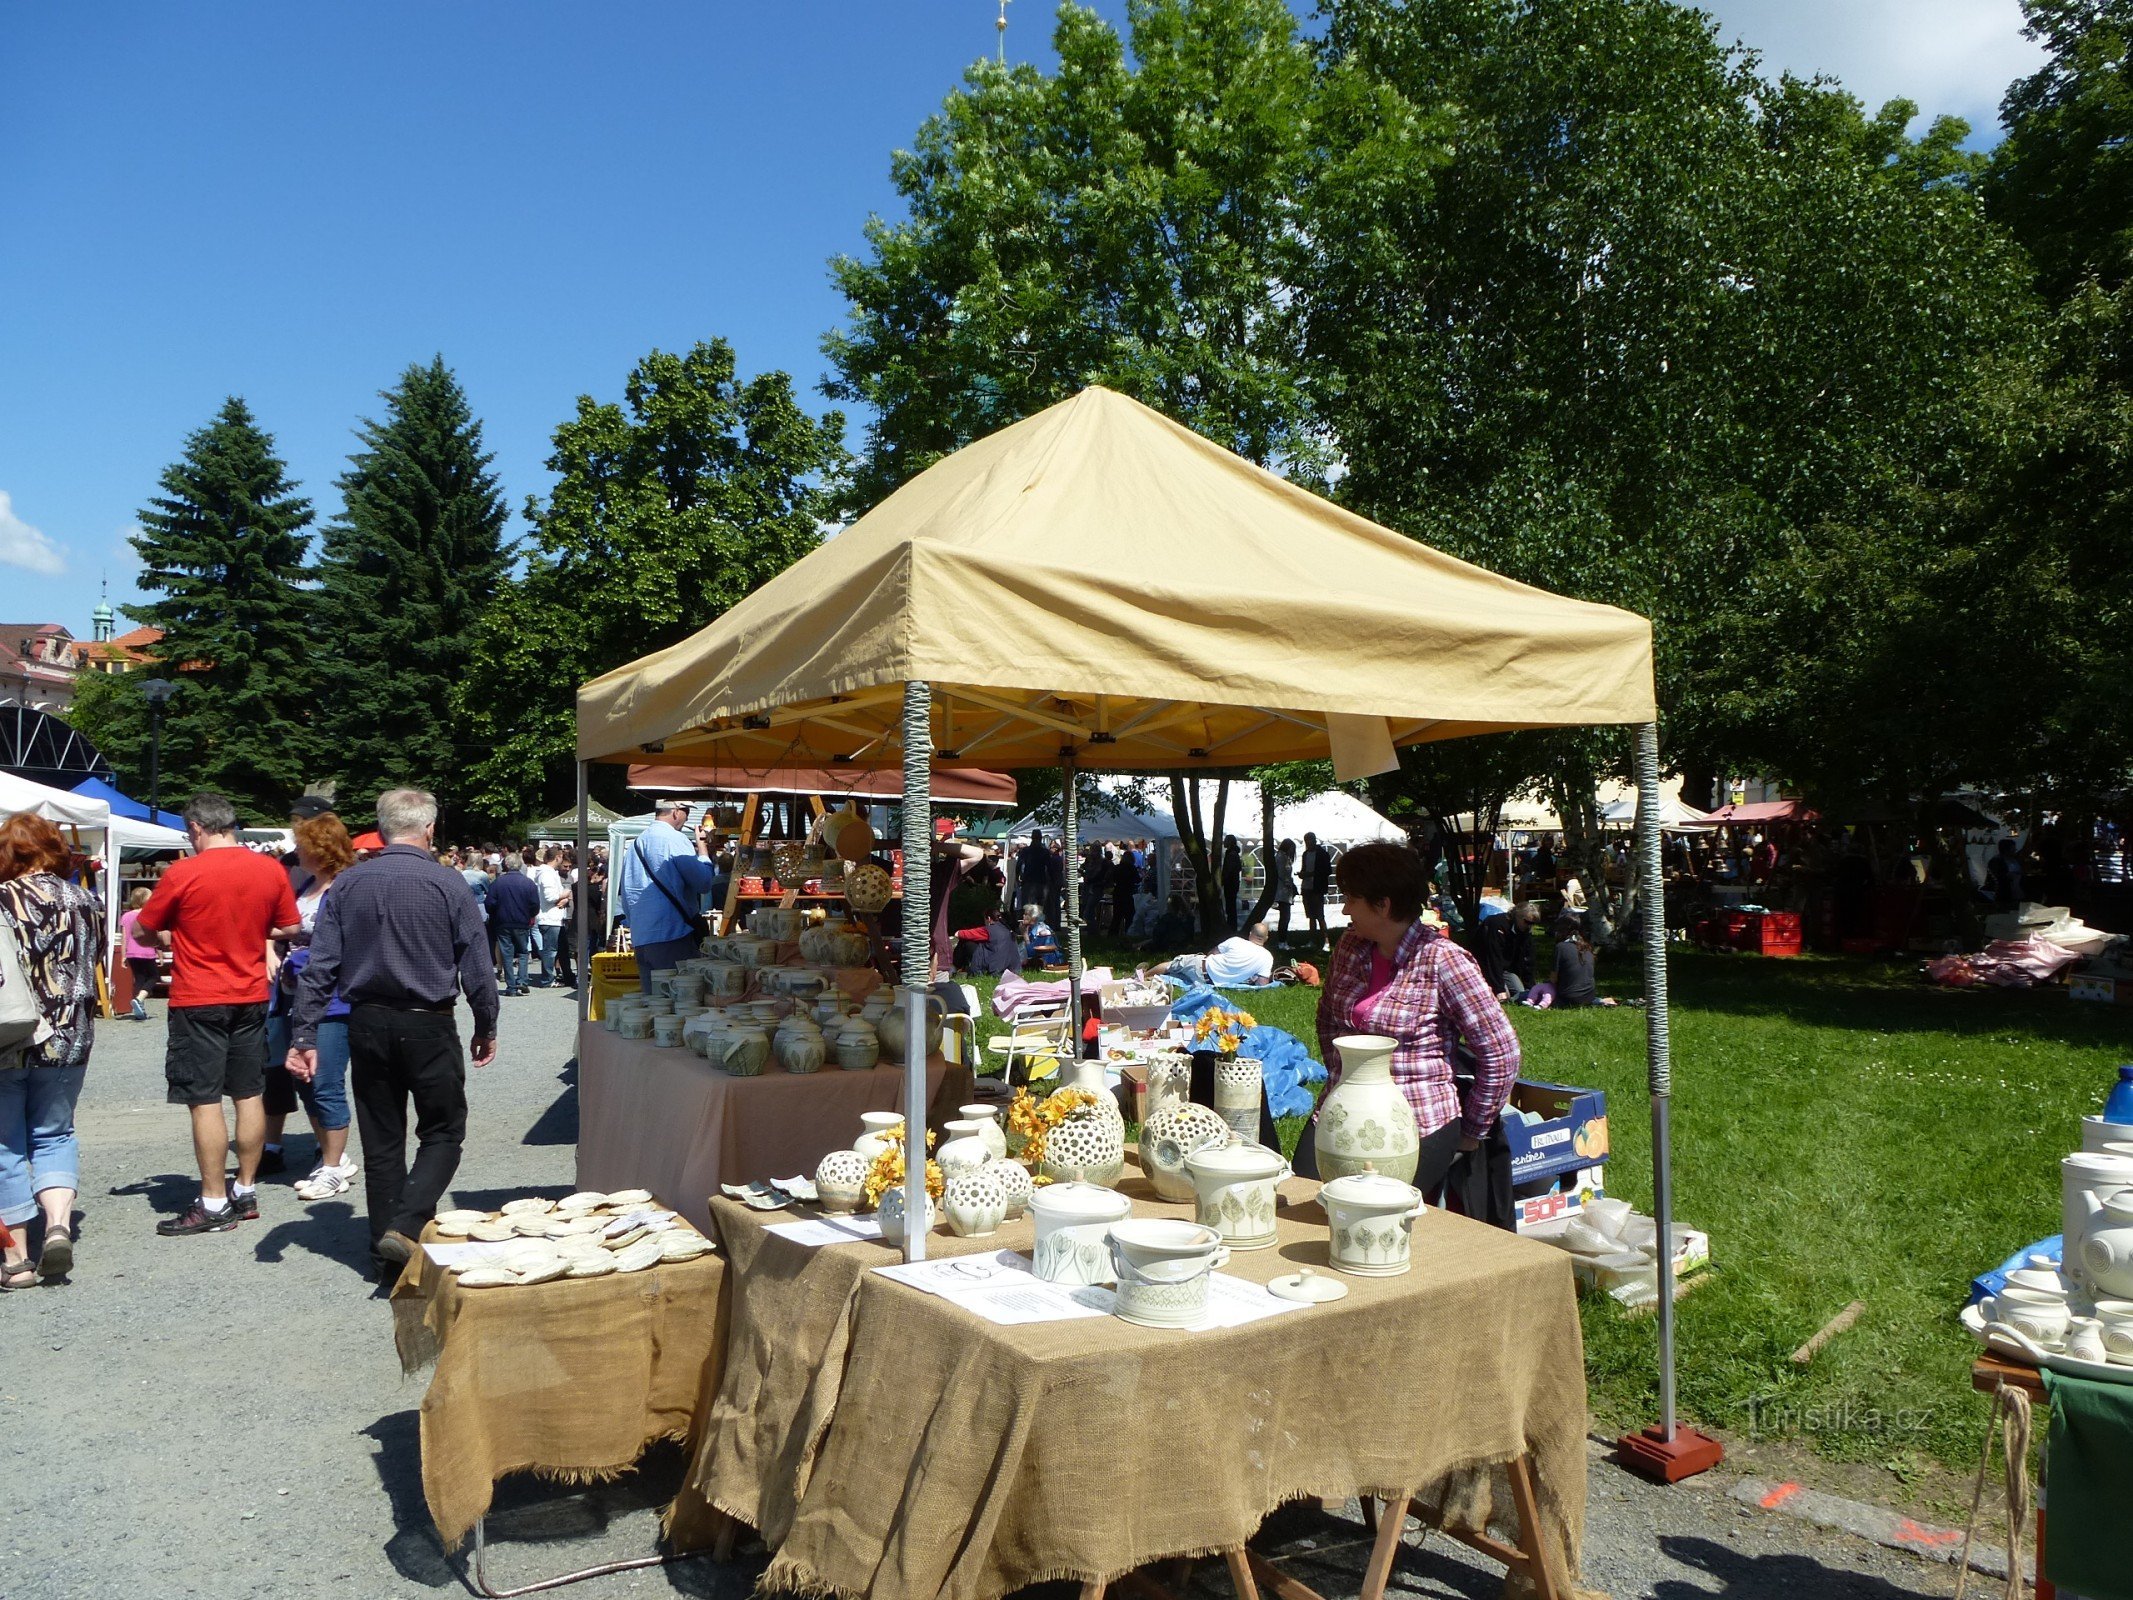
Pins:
<point x="1365" y="1121"/>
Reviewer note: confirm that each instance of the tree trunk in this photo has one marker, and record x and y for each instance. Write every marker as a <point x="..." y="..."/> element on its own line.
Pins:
<point x="1202" y="846"/>
<point x="1266" y="858"/>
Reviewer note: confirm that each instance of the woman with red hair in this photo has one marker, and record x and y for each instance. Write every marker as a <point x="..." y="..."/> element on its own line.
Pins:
<point x="60" y="928"/>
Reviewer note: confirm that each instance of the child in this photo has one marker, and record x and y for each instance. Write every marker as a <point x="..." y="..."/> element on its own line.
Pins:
<point x="140" y="955"/>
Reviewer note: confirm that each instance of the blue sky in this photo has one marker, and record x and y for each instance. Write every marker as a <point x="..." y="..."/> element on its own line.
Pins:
<point x="293" y="201"/>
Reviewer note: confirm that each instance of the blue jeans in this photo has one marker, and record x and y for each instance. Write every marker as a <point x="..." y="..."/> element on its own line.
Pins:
<point x="38" y="1150"/>
<point x="517" y="945"/>
<point x="325" y="1097"/>
<point x="551" y="936"/>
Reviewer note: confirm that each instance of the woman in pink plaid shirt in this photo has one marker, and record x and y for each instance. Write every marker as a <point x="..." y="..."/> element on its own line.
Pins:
<point x="1394" y="975"/>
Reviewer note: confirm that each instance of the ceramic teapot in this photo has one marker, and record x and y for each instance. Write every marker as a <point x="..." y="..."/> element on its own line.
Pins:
<point x="2107" y="1246"/>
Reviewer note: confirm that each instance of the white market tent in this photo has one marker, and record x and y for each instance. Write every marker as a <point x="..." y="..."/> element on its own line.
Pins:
<point x="1093" y="586"/>
<point x="1673" y="813"/>
<point x="100" y="833"/>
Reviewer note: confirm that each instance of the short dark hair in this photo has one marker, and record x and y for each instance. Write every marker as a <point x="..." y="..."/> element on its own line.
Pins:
<point x="1383" y="871"/>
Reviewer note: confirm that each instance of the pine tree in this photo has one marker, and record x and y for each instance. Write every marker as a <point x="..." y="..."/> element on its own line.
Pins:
<point x="405" y="573"/>
<point x="223" y="545"/>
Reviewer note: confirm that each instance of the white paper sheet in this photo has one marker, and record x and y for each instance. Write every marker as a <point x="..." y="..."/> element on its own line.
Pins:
<point x="1231" y="1303"/>
<point x="999" y="1287"/>
<point x="816" y="1232"/>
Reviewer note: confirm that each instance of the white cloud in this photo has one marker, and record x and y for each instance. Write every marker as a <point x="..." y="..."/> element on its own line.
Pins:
<point x="24" y="546"/>
<point x="1953" y="57"/>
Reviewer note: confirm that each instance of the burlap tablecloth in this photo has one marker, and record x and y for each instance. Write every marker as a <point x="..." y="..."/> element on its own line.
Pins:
<point x="665" y="1120"/>
<point x="889" y="1445"/>
<point x="572" y="1380"/>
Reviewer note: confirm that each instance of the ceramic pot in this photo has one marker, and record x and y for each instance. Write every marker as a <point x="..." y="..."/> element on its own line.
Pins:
<point x="666" y="1030"/>
<point x="1016" y="1184"/>
<point x="1233" y="1187"/>
<point x="2107" y="1246"/>
<point x="2042" y="1323"/>
<point x="1365" y="1121"/>
<point x="988" y="1120"/>
<point x="1089" y="1146"/>
<point x="1238" y="1089"/>
<point x="801" y="1052"/>
<point x="840" y="1180"/>
<point x="1169" y="1084"/>
<point x="974" y="1202"/>
<point x="1372" y="1221"/>
<point x="1162" y="1265"/>
<point x="1171" y="1135"/>
<point x="891" y="1028"/>
<point x="891" y="1216"/>
<point x="746" y="1053"/>
<point x="836" y="944"/>
<point x="1072" y="1221"/>
<point x="964" y="1150"/>
<point x="857" y="1046"/>
<point x="870" y="1143"/>
<point x="636" y="1023"/>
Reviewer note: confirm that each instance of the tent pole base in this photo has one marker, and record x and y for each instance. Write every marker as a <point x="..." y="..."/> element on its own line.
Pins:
<point x="1653" y="1455"/>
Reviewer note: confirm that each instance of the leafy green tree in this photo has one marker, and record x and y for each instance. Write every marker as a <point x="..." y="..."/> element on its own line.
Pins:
<point x="405" y="573"/>
<point x="668" y="508"/>
<point x="223" y="548"/>
<point x="2062" y="180"/>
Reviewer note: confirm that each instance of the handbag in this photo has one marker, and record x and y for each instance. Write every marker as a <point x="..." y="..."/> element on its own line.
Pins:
<point x="22" y="1022"/>
<point x="699" y="924"/>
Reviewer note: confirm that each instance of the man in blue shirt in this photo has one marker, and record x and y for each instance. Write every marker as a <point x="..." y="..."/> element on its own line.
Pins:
<point x="662" y="879"/>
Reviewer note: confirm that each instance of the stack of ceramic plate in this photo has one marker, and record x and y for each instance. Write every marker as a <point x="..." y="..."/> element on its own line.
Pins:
<point x="584" y="1235"/>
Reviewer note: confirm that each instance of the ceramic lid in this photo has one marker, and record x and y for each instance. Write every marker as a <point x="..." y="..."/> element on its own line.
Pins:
<point x="1372" y="1189"/>
<point x="1307" y="1286"/>
<point x="1079" y="1202"/>
<point x="1236" y="1161"/>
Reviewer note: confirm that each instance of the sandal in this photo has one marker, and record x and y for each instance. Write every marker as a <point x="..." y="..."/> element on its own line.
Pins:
<point x="18" y="1275"/>
<point x="56" y="1259"/>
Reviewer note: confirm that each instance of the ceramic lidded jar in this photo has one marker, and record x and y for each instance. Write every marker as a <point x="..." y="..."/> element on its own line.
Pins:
<point x="800" y="1049"/>
<point x="1365" y="1122"/>
<point x="892" y="1024"/>
<point x="747" y="1051"/>
<point x="875" y="1125"/>
<point x="1072" y="1221"/>
<point x="858" y="1049"/>
<point x="963" y="1150"/>
<point x="1372" y="1220"/>
<point x="840" y="1180"/>
<point x="1171" y="1135"/>
<point x="974" y="1201"/>
<point x="1233" y="1186"/>
<point x="988" y="1120"/>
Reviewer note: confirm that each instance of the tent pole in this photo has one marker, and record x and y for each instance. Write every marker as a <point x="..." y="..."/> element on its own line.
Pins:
<point x="918" y="951"/>
<point x="1070" y="903"/>
<point x="581" y="915"/>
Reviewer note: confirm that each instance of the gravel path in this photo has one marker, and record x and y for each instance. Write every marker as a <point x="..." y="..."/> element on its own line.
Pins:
<point x="224" y="1415"/>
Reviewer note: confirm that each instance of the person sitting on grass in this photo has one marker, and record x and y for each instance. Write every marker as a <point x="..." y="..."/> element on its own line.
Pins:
<point x="1040" y="948"/>
<point x="990" y="951"/>
<point x="1233" y="964"/>
<point x="1573" y="984"/>
<point x="1174" y="927"/>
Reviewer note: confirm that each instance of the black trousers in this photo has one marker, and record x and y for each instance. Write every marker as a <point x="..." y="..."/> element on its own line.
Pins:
<point x="395" y="1057"/>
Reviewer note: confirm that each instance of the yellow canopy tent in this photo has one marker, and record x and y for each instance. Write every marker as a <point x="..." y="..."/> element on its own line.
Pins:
<point x="1098" y="586"/>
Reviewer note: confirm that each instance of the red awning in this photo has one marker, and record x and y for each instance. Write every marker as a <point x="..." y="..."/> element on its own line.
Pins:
<point x="965" y="786"/>
<point x="1763" y="811"/>
<point x="367" y="841"/>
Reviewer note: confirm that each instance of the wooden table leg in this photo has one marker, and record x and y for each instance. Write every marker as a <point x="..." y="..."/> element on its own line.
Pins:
<point x="1240" y="1573"/>
<point x="1093" y="1590"/>
<point x="1520" y="1472"/>
<point x="1392" y="1522"/>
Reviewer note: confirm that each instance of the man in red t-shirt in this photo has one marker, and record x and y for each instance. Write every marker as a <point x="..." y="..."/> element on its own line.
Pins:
<point x="217" y="909"/>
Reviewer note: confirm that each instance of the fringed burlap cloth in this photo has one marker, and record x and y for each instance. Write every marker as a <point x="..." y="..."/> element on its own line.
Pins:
<point x="888" y="1445"/>
<point x="571" y="1379"/>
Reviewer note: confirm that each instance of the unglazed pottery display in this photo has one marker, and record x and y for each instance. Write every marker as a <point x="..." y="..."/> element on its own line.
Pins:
<point x="1172" y="1134"/>
<point x="840" y="1180"/>
<point x="894" y="1019"/>
<point x="1233" y="1190"/>
<point x="973" y="1201"/>
<point x="1372" y="1218"/>
<point x="1365" y="1121"/>
<point x="1238" y="1088"/>
<point x="1072" y="1220"/>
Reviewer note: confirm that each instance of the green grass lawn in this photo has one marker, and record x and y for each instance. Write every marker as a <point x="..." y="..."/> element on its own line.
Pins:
<point x="1842" y="1131"/>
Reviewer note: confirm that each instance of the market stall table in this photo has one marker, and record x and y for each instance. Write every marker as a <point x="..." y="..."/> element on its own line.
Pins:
<point x="664" y="1119"/>
<point x="888" y="1444"/>
<point x="571" y="1380"/>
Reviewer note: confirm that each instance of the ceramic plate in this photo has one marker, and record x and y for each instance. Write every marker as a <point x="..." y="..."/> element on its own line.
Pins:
<point x="1998" y="1336"/>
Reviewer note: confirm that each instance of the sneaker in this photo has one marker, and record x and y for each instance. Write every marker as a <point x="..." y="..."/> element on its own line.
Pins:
<point x="323" y="1184"/>
<point x="198" y="1219"/>
<point x="244" y="1207"/>
<point x="271" y="1162"/>
<point x="139" y="1013"/>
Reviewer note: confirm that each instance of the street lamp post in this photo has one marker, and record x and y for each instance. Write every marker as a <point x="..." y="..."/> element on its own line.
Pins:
<point x="156" y="691"/>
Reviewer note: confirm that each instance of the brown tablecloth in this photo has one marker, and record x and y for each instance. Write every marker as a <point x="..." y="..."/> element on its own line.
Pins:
<point x="887" y="1444"/>
<point x="571" y="1379"/>
<point x="663" y="1119"/>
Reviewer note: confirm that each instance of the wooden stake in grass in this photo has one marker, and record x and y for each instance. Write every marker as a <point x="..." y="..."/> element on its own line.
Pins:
<point x="1830" y="1329"/>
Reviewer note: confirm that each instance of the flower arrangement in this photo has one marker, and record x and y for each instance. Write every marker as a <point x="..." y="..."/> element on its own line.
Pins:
<point x="1221" y="1030"/>
<point x="1030" y="1120"/>
<point x="887" y="1172"/>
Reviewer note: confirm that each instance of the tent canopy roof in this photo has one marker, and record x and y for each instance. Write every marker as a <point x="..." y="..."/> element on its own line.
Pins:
<point x="1098" y="576"/>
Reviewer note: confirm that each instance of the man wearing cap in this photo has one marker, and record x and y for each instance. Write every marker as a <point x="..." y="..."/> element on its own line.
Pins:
<point x="662" y="879"/>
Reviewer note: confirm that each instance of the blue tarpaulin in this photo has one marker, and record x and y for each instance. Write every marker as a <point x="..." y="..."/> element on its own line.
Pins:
<point x="125" y="805"/>
<point x="1285" y="1066"/>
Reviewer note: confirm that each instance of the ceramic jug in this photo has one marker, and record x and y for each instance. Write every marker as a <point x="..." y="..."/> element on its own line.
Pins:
<point x="892" y="1024"/>
<point x="1365" y="1121"/>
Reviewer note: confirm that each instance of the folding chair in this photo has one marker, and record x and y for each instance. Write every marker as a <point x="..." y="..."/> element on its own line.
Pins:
<point x="1035" y="1043"/>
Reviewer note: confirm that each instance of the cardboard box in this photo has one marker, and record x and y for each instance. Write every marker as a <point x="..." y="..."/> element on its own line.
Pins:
<point x="2088" y="986"/>
<point x="1565" y="1198"/>
<point x="1573" y="1135"/>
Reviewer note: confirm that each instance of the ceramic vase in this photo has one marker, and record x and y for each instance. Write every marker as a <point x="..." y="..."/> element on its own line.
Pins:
<point x="1237" y="1094"/>
<point x="871" y="1143"/>
<point x="1365" y="1121"/>
<point x="988" y="1120"/>
<point x="1090" y="1145"/>
<point x="1016" y="1186"/>
<point x="892" y="1024"/>
<point x="975" y="1201"/>
<point x="891" y="1216"/>
<point x="840" y="1180"/>
<point x="964" y="1150"/>
<point x="1170" y="1136"/>
<point x="1169" y="1083"/>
